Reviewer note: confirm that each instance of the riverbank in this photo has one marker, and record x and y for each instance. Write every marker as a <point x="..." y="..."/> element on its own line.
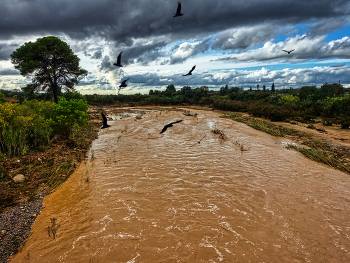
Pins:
<point x="15" y="225"/>
<point x="21" y="202"/>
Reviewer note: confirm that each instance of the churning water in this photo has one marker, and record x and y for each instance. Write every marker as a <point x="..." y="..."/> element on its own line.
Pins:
<point x="142" y="196"/>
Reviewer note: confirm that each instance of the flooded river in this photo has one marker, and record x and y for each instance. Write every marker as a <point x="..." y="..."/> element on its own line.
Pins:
<point x="143" y="196"/>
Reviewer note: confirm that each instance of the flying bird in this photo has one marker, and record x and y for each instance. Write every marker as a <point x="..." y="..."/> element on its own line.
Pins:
<point x="169" y="125"/>
<point x="123" y="85"/>
<point x="178" y="11"/>
<point x="105" y="125"/>
<point x="190" y="73"/>
<point x="119" y="60"/>
<point x="288" y="51"/>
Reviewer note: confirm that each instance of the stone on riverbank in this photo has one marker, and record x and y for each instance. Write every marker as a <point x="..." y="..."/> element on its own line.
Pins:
<point x="19" y="178"/>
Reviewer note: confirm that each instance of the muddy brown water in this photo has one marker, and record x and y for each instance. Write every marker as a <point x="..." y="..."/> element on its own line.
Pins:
<point x="142" y="196"/>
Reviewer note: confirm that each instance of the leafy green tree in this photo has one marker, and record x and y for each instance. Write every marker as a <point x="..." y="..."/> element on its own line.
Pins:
<point x="51" y="64"/>
<point x="308" y="92"/>
<point x="264" y="88"/>
<point x="330" y="90"/>
<point x="223" y="91"/>
<point x="170" y="89"/>
<point x="273" y="87"/>
<point x="151" y="92"/>
<point x="69" y="95"/>
<point x="186" y="91"/>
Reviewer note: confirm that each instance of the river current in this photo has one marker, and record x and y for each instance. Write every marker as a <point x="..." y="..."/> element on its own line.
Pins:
<point x="187" y="195"/>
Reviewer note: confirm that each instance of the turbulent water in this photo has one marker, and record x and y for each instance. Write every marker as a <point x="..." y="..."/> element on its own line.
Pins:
<point x="143" y="196"/>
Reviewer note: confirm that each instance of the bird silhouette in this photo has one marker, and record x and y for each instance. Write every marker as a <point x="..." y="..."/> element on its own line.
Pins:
<point x="288" y="51"/>
<point x="119" y="60"/>
<point x="190" y="73"/>
<point x="105" y="125"/>
<point x="169" y="125"/>
<point x="123" y="85"/>
<point x="178" y="11"/>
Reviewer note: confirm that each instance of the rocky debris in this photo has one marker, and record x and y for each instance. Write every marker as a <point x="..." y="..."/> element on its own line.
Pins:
<point x="15" y="226"/>
<point x="18" y="178"/>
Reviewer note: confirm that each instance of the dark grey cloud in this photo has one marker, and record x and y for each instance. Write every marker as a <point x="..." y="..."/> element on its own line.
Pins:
<point x="97" y="54"/>
<point x="6" y="72"/>
<point x="246" y="37"/>
<point x="306" y="48"/>
<point x="338" y="65"/>
<point x="106" y="64"/>
<point x="6" y="50"/>
<point x="328" y="25"/>
<point x="92" y="53"/>
<point x="188" y="49"/>
<point x="124" y="21"/>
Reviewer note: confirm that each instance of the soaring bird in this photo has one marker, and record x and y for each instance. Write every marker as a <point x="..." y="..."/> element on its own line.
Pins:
<point x="190" y="73"/>
<point x="105" y="125"/>
<point x="288" y="51"/>
<point x="123" y="85"/>
<point x="119" y="60"/>
<point x="178" y="11"/>
<point x="169" y="125"/>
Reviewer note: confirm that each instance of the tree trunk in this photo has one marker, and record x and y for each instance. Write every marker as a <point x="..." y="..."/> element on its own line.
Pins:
<point x="55" y="91"/>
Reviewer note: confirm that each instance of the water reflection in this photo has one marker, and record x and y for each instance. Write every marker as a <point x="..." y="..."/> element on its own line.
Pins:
<point x="153" y="197"/>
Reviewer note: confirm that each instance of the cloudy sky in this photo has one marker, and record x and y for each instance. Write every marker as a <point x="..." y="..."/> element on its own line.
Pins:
<point x="238" y="43"/>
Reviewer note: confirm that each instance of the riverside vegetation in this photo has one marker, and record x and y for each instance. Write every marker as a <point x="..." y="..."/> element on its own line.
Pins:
<point x="44" y="141"/>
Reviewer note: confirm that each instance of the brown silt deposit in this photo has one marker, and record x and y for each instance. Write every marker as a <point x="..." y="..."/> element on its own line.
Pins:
<point x="187" y="195"/>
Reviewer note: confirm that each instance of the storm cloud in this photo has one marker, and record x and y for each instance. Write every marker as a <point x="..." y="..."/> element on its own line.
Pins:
<point x="226" y="31"/>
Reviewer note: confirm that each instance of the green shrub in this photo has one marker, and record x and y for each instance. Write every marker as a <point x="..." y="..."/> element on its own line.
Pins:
<point x="288" y="100"/>
<point x="22" y="128"/>
<point x="43" y="108"/>
<point x="67" y="115"/>
<point x="2" y="98"/>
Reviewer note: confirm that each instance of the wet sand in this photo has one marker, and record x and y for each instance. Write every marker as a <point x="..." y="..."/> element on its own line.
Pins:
<point x="147" y="197"/>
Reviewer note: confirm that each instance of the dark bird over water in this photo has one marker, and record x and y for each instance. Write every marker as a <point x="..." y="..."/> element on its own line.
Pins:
<point x="105" y="125"/>
<point x="178" y="11"/>
<point x="190" y="73"/>
<point x="288" y="51"/>
<point x="169" y="125"/>
<point x="119" y="60"/>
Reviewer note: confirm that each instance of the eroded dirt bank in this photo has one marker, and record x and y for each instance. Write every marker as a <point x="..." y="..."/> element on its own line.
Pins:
<point x="149" y="197"/>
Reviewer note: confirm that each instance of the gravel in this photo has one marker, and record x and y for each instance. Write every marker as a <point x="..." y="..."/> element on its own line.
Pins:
<point x="15" y="226"/>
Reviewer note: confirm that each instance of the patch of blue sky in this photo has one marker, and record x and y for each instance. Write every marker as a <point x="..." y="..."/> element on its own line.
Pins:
<point x="338" y="34"/>
<point x="289" y="31"/>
